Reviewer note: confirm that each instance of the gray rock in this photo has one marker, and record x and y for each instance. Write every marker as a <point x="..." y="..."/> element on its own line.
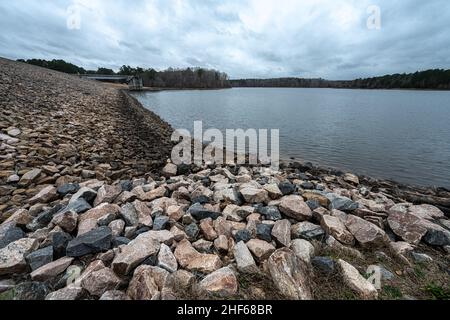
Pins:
<point x="67" y="188"/>
<point x="10" y="233"/>
<point x="94" y="241"/>
<point x="160" y="223"/>
<point x="192" y="231"/>
<point x="270" y="213"/>
<point x="60" y="240"/>
<point x="421" y="257"/>
<point x="129" y="214"/>
<point x="324" y="264"/>
<point x="31" y="291"/>
<point x="437" y="237"/>
<point x="264" y="232"/>
<point x="198" y="212"/>
<point x="244" y="259"/>
<point x="341" y="203"/>
<point x="40" y="257"/>
<point x="242" y="235"/>
<point x="308" y="231"/>
<point x="85" y="193"/>
<point x="307" y="185"/>
<point x="286" y="188"/>
<point x="79" y="206"/>
<point x="42" y="220"/>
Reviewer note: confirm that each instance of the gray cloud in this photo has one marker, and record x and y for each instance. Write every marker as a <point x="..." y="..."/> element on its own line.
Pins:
<point x="252" y="38"/>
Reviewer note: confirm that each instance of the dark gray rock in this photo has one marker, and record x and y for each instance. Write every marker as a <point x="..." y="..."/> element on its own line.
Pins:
<point x="242" y="235"/>
<point x="270" y="213"/>
<point x="160" y="223"/>
<point x="94" y="241"/>
<point x="85" y="193"/>
<point x="42" y="220"/>
<point x="264" y="232"/>
<point x="31" y="291"/>
<point x="118" y="241"/>
<point x="199" y="213"/>
<point x="437" y="237"/>
<point x="192" y="231"/>
<point x="79" y="206"/>
<point x="126" y="185"/>
<point x="313" y="204"/>
<point x="341" y="203"/>
<point x="324" y="264"/>
<point x="10" y="233"/>
<point x="202" y="199"/>
<point x="308" y="231"/>
<point x="68" y="188"/>
<point x="60" y="240"/>
<point x="286" y="187"/>
<point x="40" y="257"/>
<point x="307" y="185"/>
<point x="183" y="169"/>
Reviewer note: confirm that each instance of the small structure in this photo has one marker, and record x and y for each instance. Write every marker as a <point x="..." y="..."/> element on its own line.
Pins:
<point x="135" y="83"/>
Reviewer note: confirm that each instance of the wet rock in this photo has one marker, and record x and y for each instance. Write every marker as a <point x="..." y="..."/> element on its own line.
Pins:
<point x="303" y="249"/>
<point x="308" y="231"/>
<point x="281" y="232"/>
<point x="222" y="283"/>
<point x="366" y="233"/>
<point x="46" y="195"/>
<point x="40" y="257"/>
<point x="94" y="241"/>
<point x="244" y="259"/>
<point x="131" y="255"/>
<point x="100" y="281"/>
<point x="356" y="281"/>
<point x="12" y="257"/>
<point x="260" y="249"/>
<point x="324" y="264"/>
<point x="166" y="259"/>
<point x="51" y="269"/>
<point x="289" y="275"/>
<point x="407" y="226"/>
<point x="294" y="207"/>
<point x="335" y="227"/>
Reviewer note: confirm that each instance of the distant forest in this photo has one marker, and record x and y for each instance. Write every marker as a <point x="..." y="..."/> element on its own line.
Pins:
<point x="170" y="78"/>
<point x="209" y="78"/>
<point x="429" y="79"/>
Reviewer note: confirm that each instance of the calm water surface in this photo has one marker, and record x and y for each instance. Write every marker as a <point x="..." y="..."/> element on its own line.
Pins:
<point x="390" y="134"/>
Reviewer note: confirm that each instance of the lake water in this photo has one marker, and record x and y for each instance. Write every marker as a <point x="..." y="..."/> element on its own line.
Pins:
<point x="391" y="134"/>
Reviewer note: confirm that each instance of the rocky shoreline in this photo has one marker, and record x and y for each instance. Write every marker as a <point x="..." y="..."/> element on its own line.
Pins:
<point x="90" y="209"/>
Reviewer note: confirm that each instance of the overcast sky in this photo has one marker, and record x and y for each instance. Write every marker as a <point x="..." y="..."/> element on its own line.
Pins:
<point x="251" y="38"/>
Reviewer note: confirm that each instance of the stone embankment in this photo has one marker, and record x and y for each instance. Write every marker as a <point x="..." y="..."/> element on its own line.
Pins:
<point x="87" y="212"/>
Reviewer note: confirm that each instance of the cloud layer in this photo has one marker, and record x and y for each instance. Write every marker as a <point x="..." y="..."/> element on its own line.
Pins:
<point x="252" y="38"/>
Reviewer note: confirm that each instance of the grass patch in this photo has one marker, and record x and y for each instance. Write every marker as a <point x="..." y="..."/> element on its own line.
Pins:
<point x="438" y="292"/>
<point x="391" y="292"/>
<point x="7" y="295"/>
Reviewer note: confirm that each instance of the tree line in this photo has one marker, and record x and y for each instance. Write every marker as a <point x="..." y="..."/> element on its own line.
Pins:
<point x="210" y="78"/>
<point x="430" y="79"/>
<point x="170" y="78"/>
